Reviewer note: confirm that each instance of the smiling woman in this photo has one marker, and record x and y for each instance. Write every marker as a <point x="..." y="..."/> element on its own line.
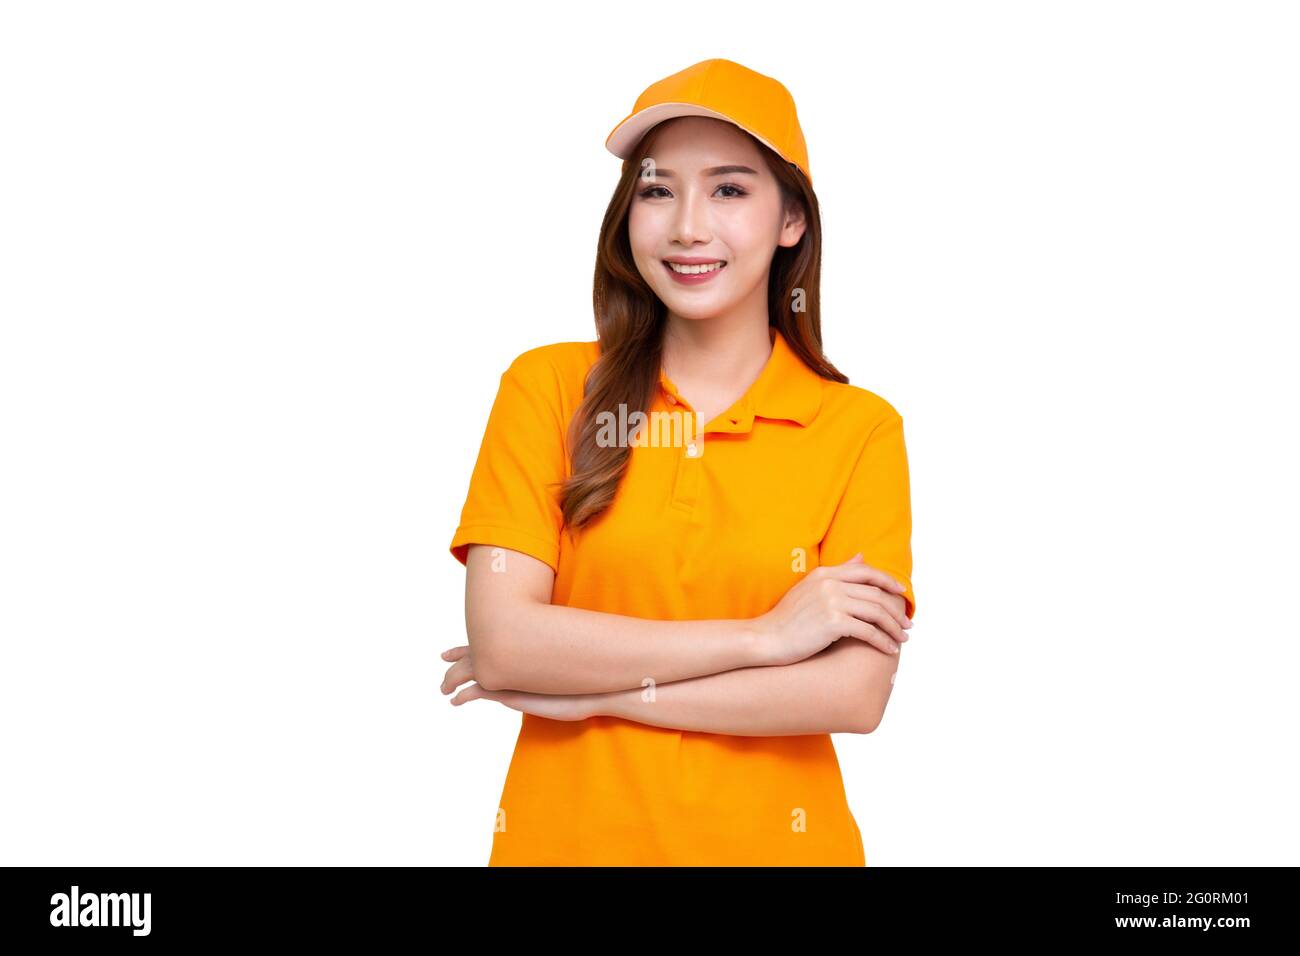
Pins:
<point x="683" y="631"/>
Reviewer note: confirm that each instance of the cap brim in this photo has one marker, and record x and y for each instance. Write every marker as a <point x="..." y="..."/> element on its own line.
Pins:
<point x="622" y="142"/>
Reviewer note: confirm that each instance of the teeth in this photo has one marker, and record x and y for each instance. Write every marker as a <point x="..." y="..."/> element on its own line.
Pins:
<point x="695" y="270"/>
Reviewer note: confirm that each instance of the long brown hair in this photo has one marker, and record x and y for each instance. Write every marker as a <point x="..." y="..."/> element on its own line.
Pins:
<point x="630" y="321"/>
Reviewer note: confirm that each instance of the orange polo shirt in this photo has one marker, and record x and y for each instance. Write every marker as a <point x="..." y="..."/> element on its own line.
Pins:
<point x="800" y="471"/>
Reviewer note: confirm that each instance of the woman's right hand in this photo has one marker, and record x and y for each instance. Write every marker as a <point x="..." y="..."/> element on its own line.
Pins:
<point x="851" y="599"/>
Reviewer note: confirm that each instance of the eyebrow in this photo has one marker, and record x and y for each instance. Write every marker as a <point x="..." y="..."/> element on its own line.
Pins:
<point x="711" y="171"/>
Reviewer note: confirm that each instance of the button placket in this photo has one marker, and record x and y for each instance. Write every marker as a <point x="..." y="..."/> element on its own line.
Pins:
<point x="687" y="458"/>
<point x="688" y="477"/>
<point x="683" y="494"/>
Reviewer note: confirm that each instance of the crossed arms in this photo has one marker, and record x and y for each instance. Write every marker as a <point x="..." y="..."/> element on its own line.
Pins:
<point x="714" y="676"/>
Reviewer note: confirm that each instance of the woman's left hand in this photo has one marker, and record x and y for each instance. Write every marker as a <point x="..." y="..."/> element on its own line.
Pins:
<point x="553" y="706"/>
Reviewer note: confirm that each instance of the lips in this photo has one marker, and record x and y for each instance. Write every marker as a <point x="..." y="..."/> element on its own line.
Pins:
<point x="695" y="266"/>
<point x="698" y="274"/>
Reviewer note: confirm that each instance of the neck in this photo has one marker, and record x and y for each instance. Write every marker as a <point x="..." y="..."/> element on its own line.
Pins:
<point x="715" y="350"/>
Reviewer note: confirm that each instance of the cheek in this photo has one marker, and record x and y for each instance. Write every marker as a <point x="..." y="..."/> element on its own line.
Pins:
<point x="641" y="233"/>
<point x="753" y="233"/>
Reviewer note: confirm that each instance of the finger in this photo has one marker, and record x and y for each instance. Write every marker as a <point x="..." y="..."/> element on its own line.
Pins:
<point x="896" y="604"/>
<point x="869" y="634"/>
<point x="457" y="674"/>
<point x="455" y="653"/>
<point x="472" y="692"/>
<point x="873" y="613"/>
<point x="865" y="574"/>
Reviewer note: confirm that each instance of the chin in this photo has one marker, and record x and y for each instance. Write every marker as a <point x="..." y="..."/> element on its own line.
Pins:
<point x="693" y="313"/>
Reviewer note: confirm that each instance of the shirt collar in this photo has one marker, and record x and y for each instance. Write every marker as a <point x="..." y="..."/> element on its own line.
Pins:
<point x="786" y="390"/>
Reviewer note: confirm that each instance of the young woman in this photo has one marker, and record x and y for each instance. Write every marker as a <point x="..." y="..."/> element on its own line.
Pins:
<point x="685" y="615"/>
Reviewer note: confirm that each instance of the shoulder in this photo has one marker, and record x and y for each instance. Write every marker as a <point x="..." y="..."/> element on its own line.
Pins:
<point x="557" y="363"/>
<point x="857" y="406"/>
<point x="861" y="425"/>
<point x="551" y="376"/>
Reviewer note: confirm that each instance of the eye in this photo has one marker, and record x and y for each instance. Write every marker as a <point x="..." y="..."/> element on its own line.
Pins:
<point x="737" y="192"/>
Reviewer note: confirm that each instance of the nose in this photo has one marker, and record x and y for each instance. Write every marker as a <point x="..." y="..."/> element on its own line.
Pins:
<point x="690" y="224"/>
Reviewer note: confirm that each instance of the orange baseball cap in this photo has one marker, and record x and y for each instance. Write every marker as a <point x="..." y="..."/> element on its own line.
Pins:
<point x="724" y="90"/>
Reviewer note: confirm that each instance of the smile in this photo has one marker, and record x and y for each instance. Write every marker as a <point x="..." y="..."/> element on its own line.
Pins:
<point x="694" y="270"/>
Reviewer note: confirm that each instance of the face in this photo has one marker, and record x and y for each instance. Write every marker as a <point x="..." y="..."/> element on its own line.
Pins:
<point x="708" y="197"/>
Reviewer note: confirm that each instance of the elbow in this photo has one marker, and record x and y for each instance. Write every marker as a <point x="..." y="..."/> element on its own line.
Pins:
<point x="870" y="697"/>
<point x="876" y="717"/>
<point x="489" y="631"/>
<point x="859" y="714"/>
<point x="486" y="679"/>
<point x="866" y="719"/>
<point x="483" y="647"/>
<point x="495" y="644"/>
<point x="864" y="678"/>
<point x="488" y="674"/>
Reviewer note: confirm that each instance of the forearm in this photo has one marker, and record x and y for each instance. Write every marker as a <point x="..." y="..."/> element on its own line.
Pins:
<point x="555" y="649"/>
<point x="837" y="690"/>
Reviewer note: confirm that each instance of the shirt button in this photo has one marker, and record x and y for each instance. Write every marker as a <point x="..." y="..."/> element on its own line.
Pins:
<point x="691" y="450"/>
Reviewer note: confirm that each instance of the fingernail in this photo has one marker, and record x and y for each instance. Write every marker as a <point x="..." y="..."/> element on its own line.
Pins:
<point x="907" y="621"/>
<point x="893" y="648"/>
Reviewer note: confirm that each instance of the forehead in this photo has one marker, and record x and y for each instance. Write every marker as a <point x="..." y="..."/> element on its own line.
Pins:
<point x="698" y="141"/>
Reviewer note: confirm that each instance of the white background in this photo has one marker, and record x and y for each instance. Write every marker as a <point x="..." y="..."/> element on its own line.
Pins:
<point x="262" y="265"/>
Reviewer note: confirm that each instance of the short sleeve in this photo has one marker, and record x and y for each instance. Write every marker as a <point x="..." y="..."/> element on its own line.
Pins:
<point x="513" y="499"/>
<point x="874" y="515"/>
